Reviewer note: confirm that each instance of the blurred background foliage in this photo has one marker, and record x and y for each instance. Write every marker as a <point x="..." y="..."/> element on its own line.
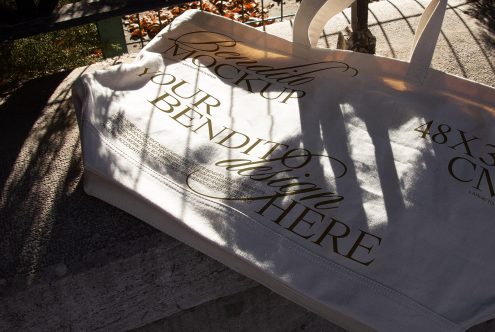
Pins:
<point x="49" y="52"/>
<point x="46" y="53"/>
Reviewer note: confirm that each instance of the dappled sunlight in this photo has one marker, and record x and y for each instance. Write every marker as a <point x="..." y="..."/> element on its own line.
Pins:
<point x="312" y="171"/>
<point x="473" y="103"/>
<point x="307" y="170"/>
<point x="261" y="164"/>
<point x="362" y="151"/>
<point x="29" y="194"/>
<point x="46" y="218"/>
<point x="397" y="84"/>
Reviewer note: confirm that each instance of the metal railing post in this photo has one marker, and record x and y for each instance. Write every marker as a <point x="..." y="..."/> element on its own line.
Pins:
<point x="359" y="15"/>
<point x="358" y="37"/>
<point x="112" y="37"/>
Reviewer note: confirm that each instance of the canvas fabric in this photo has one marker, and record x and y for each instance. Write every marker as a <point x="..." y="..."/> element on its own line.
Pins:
<point x="358" y="186"/>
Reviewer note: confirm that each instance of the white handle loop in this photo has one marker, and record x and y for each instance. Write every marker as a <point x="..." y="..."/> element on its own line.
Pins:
<point x="313" y="15"/>
<point x="425" y="40"/>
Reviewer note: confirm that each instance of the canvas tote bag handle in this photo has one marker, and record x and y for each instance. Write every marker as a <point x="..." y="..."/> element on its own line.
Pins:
<point x="425" y="40"/>
<point x="314" y="14"/>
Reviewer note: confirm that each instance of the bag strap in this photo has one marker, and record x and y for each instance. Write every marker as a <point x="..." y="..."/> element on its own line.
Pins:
<point x="425" y="40"/>
<point x="314" y="14"/>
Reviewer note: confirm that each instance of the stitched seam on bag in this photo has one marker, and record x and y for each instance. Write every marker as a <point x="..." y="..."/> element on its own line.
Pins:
<point x="326" y="263"/>
<point x="472" y="322"/>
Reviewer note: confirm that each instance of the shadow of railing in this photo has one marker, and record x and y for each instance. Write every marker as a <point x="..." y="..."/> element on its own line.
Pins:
<point x="481" y="42"/>
<point x="45" y="217"/>
<point x="71" y="219"/>
<point x="484" y="11"/>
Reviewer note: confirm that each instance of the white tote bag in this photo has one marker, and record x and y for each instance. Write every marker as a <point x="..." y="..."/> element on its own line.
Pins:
<point x="360" y="187"/>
